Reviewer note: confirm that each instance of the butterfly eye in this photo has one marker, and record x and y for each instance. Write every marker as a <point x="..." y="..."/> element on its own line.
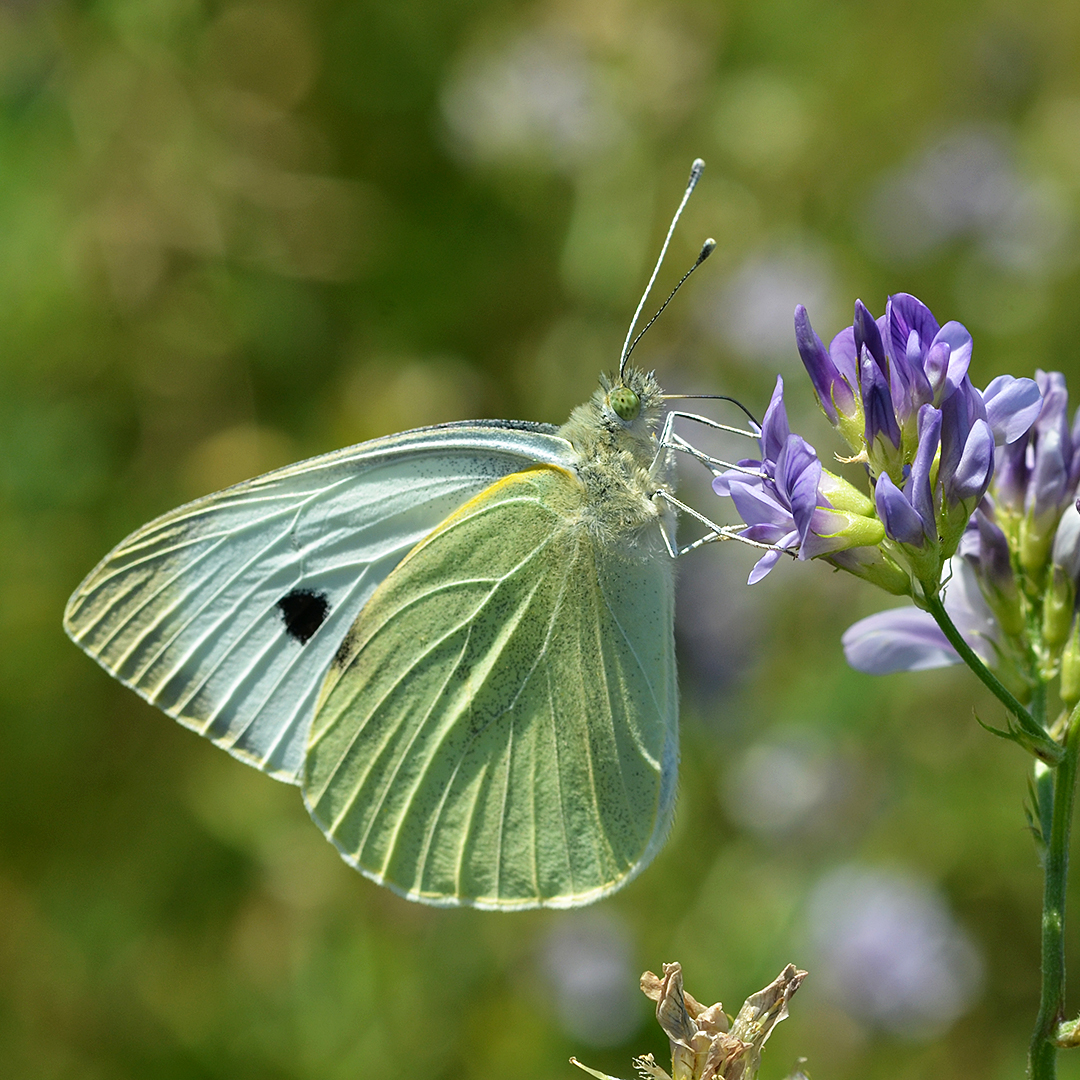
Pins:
<point x="625" y="403"/>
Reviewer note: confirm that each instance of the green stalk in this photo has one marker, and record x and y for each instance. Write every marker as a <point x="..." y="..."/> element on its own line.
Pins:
<point x="1042" y="1054"/>
<point x="1032" y="734"/>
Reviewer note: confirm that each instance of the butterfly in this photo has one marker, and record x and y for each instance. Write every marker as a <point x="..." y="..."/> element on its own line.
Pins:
<point x="458" y="641"/>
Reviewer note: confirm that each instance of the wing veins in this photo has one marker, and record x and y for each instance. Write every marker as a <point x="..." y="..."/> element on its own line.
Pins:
<point x="660" y="711"/>
<point x="446" y="728"/>
<point x="215" y="626"/>
<point x="505" y="799"/>
<point x="610" y="711"/>
<point x="435" y="644"/>
<point x="558" y="783"/>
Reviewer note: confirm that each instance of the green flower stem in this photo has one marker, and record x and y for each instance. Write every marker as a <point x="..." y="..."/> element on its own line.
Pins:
<point x="1042" y="1055"/>
<point x="1032" y="734"/>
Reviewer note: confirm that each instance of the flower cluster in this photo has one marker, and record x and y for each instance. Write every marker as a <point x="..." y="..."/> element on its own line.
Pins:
<point x="790" y="502"/>
<point x="1015" y="575"/>
<point x="897" y="391"/>
<point x="970" y="497"/>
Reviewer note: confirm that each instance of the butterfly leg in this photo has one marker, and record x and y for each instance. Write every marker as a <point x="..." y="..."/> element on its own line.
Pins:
<point x="715" y="533"/>
<point x="670" y="440"/>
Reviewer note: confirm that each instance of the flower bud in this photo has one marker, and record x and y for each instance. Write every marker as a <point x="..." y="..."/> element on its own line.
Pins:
<point x="1070" y="668"/>
<point x="879" y="415"/>
<point x="1034" y="548"/>
<point x="1058" y="602"/>
<point x="996" y="575"/>
<point x="1060" y="596"/>
<point x="834" y="393"/>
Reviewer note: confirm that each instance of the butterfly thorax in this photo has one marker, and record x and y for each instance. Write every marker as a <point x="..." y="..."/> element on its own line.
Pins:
<point x="620" y="463"/>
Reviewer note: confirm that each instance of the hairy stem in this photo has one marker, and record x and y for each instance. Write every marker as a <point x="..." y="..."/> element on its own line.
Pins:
<point x="1042" y="1054"/>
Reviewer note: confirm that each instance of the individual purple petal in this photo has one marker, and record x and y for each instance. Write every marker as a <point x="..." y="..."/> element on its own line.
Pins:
<point x="937" y="369"/>
<point x="1053" y="447"/>
<point x="906" y="639"/>
<point x="845" y="356"/>
<point x="918" y="485"/>
<point x="956" y="336"/>
<point x="995" y="563"/>
<point x="958" y="413"/>
<point x="868" y="336"/>
<point x="722" y="484"/>
<point x="902" y="639"/>
<point x="1011" y="473"/>
<point x="1012" y="406"/>
<point x="798" y="473"/>
<point x="763" y="566"/>
<point x="919" y="390"/>
<point x="819" y="365"/>
<point x="904" y="314"/>
<point x="1074" y="436"/>
<point x="756" y="506"/>
<point x="976" y="465"/>
<point x="1074" y="465"/>
<point x="774" y="534"/>
<point x="877" y="404"/>
<point x="774" y="425"/>
<point x="901" y="520"/>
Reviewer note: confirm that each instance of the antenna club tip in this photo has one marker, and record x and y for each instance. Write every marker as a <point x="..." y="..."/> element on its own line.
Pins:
<point x="706" y="250"/>
<point x="698" y="167"/>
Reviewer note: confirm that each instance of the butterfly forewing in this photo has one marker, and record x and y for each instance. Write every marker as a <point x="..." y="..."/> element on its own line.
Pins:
<point x="499" y="728"/>
<point x="227" y="612"/>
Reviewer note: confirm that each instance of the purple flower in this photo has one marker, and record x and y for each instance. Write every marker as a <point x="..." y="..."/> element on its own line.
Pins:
<point x="928" y="361"/>
<point x="985" y="547"/>
<point x="897" y="390"/>
<point x="909" y="515"/>
<point x="1039" y="474"/>
<point x="1011" y="407"/>
<point x="780" y="500"/>
<point x="877" y="402"/>
<point x="907" y="639"/>
<point x="902" y="521"/>
<point x="928" y="436"/>
<point x="833" y="373"/>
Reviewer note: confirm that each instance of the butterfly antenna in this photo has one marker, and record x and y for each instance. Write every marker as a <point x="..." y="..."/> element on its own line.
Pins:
<point x="715" y="397"/>
<point x="706" y="250"/>
<point x="695" y="175"/>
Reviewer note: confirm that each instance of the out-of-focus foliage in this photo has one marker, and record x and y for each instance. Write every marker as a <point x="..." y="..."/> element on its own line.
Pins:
<point x="234" y="234"/>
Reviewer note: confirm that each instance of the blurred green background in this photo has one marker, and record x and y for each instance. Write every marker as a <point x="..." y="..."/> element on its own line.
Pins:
<point x="236" y="234"/>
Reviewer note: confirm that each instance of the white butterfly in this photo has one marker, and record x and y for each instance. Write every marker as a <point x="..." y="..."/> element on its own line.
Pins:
<point x="458" y="641"/>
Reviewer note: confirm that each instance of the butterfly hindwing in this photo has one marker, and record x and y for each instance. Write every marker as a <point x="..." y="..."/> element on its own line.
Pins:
<point x="500" y="727"/>
<point x="227" y="612"/>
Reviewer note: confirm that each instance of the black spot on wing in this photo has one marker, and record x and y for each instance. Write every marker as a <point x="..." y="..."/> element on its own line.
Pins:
<point x="304" y="611"/>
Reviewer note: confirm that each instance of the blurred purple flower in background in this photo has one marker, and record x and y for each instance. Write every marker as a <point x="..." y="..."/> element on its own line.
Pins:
<point x="889" y="952"/>
<point x="588" y="960"/>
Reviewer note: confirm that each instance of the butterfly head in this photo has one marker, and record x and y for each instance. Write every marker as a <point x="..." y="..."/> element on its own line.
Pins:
<point x="630" y="402"/>
<point x="621" y="415"/>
